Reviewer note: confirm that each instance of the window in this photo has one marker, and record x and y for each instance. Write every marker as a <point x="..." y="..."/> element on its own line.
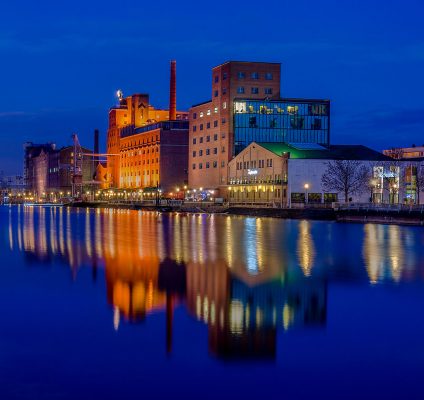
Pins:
<point x="222" y="164"/>
<point x="298" y="197"/>
<point x="215" y="110"/>
<point x="215" y="93"/>
<point x="224" y="76"/>
<point x="224" y="90"/>
<point x="255" y="75"/>
<point x="201" y="114"/>
<point x="194" y="115"/>
<point x="201" y="127"/>
<point x="240" y="90"/>
<point x="194" y="128"/>
<point x="268" y="76"/>
<point x="215" y="150"/>
<point x="316" y="124"/>
<point x="208" y="125"/>
<point x="330" y="197"/>
<point x="254" y="90"/>
<point x="200" y="153"/>
<point x="209" y="112"/>
<point x="201" y="139"/>
<point x="200" y="166"/>
<point x="194" y="141"/>
<point x="241" y="75"/>
<point x="215" y="123"/>
<point x="208" y="152"/>
<point x="194" y="154"/>
<point x="268" y="90"/>
<point x="208" y="138"/>
<point x="215" y="137"/>
<point x="224" y="105"/>
<point x="223" y="149"/>
<point x="207" y="165"/>
<point x="223" y="121"/>
<point x="223" y="135"/>
<point x="216" y="79"/>
<point x="215" y="164"/>
<point x="252" y="122"/>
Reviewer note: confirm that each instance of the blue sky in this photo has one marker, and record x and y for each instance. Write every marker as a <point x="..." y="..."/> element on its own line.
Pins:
<point x="62" y="62"/>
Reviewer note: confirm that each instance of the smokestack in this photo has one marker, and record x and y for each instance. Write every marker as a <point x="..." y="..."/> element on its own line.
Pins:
<point x="173" y="92"/>
<point x="96" y="142"/>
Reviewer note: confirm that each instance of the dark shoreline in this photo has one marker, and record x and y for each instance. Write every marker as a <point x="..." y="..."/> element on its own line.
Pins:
<point x="412" y="218"/>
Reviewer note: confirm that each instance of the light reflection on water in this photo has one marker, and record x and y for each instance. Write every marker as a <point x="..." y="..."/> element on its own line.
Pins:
<point x="245" y="278"/>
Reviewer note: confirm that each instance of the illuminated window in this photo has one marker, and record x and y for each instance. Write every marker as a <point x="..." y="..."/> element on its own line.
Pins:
<point x="201" y="114"/>
<point x="292" y="109"/>
<point x="194" y="154"/>
<point x="215" y="110"/>
<point x="224" y="105"/>
<point x="209" y="112"/>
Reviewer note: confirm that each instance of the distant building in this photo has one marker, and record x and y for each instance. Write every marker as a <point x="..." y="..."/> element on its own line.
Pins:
<point x="52" y="172"/>
<point x="286" y="175"/>
<point x="405" y="152"/>
<point x="32" y="150"/>
<point x="142" y="142"/>
<point x="12" y="182"/>
<point x="246" y="106"/>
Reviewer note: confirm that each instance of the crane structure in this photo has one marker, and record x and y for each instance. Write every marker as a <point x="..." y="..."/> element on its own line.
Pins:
<point x="77" y="167"/>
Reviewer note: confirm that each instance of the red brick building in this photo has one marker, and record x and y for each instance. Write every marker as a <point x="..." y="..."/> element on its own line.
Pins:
<point x="211" y="123"/>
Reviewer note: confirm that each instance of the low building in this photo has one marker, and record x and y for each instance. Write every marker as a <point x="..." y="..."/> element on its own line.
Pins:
<point x="288" y="174"/>
<point x="405" y="152"/>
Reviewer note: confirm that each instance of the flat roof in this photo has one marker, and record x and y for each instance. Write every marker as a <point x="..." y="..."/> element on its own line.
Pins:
<point x="246" y="62"/>
<point x="333" y="152"/>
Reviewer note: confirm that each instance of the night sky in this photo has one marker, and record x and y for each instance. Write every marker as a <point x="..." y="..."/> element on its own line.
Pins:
<point x="62" y="62"/>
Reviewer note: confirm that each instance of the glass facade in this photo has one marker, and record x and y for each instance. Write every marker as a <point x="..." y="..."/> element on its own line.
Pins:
<point x="286" y="120"/>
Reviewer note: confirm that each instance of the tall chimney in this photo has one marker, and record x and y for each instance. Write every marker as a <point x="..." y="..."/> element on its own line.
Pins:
<point x="96" y="142"/>
<point x="173" y="92"/>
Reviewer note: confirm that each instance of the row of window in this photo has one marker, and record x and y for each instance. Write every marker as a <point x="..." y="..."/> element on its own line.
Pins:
<point x="139" y="143"/>
<point x="253" y="90"/>
<point x="139" y="152"/>
<point x="209" y="112"/>
<point x="314" y="197"/>
<point x="242" y="75"/>
<point x="214" y="164"/>
<point x="134" y="164"/>
<point x="208" y="151"/>
<point x="128" y="174"/>
<point x="255" y="179"/>
<point x="252" y="164"/>
<point x="208" y="138"/>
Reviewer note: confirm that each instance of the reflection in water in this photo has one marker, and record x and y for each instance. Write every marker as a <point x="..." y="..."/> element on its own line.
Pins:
<point x="305" y="247"/>
<point x="384" y="252"/>
<point x="217" y="267"/>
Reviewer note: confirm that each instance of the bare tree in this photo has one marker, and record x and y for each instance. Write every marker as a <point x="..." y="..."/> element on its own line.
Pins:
<point x="346" y="176"/>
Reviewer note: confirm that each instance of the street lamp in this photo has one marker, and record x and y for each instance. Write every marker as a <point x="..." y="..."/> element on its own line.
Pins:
<point x="306" y="186"/>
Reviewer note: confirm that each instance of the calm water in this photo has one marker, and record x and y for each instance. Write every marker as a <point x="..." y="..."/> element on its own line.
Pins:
<point x="126" y="304"/>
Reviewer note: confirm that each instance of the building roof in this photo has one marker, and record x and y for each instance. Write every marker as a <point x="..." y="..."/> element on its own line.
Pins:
<point x="333" y="152"/>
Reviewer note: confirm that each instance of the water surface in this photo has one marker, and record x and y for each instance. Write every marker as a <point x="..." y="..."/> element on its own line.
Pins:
<point x="130" y="304"/>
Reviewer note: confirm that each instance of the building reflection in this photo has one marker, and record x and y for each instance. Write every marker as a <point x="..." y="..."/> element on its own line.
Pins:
<point x="155" y="263"/>
<point x="384" y="252"/>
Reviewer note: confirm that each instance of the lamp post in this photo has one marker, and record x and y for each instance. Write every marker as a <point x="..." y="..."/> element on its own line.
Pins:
<point x="306" y="186"/>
